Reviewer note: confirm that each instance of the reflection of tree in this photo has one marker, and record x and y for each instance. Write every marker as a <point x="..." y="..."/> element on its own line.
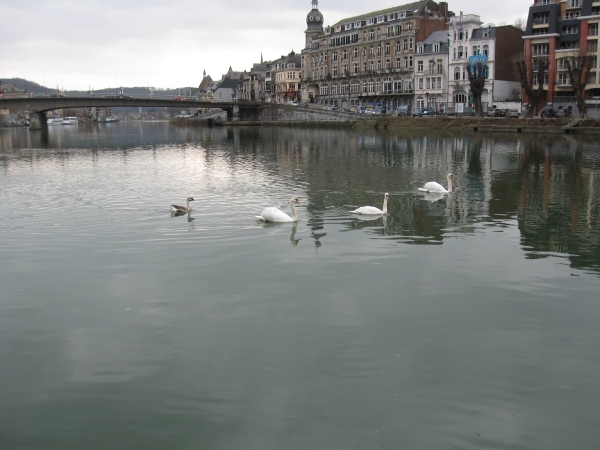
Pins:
<point x="554" y="203"/>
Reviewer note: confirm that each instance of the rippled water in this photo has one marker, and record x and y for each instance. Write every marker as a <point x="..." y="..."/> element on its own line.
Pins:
<point x="467" y="321"/>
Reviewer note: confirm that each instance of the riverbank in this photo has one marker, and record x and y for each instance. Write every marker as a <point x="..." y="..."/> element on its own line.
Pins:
<point x="473" y="124"/>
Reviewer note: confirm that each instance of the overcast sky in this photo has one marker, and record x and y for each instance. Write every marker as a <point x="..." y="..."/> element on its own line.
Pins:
<point x="106" y="43"/>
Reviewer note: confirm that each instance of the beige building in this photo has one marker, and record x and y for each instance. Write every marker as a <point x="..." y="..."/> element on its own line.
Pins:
<point x="369" y="58"/>
<point x="286" y="74"/>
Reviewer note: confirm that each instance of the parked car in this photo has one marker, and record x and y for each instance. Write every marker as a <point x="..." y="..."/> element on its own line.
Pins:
<point x="428" y="112"/>
<point x="548" y="114"/>
<point x="402" y="110"/>
<point x="417" y="112"/>
<point x="513" y="114"/>
<point x="328" y="107"/>
<point x="500" y="113"/>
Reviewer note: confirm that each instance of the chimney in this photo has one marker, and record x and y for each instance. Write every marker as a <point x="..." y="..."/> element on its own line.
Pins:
<point x="443" y="9"/>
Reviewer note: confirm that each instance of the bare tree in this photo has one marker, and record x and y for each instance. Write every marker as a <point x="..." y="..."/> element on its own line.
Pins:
<point x="521" y="24"/>
<point x="477" y="76"/>
<point x="579" y="75"/>
<point x="527" y="78"/>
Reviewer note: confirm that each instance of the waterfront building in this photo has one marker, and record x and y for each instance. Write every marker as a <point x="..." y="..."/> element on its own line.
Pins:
<point x="557" y="29"/>
<point x="431" y="71"/>
<point x="286" y="74"/>
<point x="369" y="58"/>
<point x="256" y="85"/>
<point x="501" y="45"/>
<point x="228" y="87"/>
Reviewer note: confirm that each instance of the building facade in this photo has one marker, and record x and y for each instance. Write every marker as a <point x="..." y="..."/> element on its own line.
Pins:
<point x="556" y="30"/>
<point x="501" y="46"/>
<point x="431" y="72"/>
<point x="370" y="58"/>
<point x="286" y="74"/>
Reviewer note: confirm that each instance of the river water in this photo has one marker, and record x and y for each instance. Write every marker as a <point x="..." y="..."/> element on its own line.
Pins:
<point x="468" y="321"/>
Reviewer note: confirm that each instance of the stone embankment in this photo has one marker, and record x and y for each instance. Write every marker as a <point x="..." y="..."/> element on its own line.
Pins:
<point x="475" y="124"/>
<point x="472" y="124"/>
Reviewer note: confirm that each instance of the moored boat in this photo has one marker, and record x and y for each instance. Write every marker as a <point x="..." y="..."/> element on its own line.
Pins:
<point x="70" y="120"/>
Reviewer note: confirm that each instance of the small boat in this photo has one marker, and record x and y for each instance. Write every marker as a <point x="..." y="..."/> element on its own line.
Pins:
<point x="70" y="121"/>
<point x="111" y="119"/>
<point x="54" y="121"/>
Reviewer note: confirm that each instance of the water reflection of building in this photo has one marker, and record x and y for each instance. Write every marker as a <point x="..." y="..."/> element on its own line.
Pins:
<point x="543" y="186"/>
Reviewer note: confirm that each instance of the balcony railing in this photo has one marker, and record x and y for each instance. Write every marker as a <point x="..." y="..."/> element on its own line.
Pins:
<point x="541" y="21"/>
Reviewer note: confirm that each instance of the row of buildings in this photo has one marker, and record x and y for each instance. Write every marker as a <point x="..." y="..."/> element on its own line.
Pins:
<point x="417" y="54"/>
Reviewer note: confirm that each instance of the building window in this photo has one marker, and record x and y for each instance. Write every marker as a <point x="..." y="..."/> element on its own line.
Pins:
<point x="460" y="97"/>
<point x="571" y="29"/>
<point x="540" y="49"/>
<point x="593" y="29"/>
<point x="574" y="3"/>
<point x="457" y="73"/>
<point x="460" y="52"/>
<point x="419" y="66"/>
<point x="355" y="53"/>
<point x="419" y="48"/>
<point x="569" y="45"/>
<point x="486" y="50"/>
<point x="562" y="79"/>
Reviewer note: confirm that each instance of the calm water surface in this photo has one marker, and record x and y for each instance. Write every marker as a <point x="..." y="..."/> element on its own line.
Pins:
<point x="463" y="322"/>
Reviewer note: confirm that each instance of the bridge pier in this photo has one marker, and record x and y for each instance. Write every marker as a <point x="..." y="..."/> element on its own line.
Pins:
<point x="38" y="121"/>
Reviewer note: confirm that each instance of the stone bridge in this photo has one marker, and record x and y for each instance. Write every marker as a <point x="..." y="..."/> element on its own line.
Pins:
<point x="247" y="111"/>
<point x="38" y="106"/>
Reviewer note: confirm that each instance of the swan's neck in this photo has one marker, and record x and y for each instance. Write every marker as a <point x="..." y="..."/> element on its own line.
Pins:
<point x="293" y="208"/>
<point x="449" y="184"/>
<point x="385" y="205"/>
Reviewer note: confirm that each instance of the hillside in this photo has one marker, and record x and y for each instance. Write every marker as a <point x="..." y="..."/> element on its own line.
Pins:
<point x="35" y="88"/>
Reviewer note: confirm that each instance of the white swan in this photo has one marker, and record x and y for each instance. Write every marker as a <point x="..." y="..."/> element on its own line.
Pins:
<point x="183" y="209"/>
<point x="272" y="214"/>
<point x="372" y="209"/>
<point x="433" y="186"/>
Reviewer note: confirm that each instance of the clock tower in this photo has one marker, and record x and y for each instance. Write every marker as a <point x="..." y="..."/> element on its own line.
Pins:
<point x="314" y="22"/>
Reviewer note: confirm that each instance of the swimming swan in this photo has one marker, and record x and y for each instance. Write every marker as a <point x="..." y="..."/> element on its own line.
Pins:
<point x="372" y="209"/>
<point x="433" y="186"/>
<point x="272" y="214"/>
<point x="183" y="209"/>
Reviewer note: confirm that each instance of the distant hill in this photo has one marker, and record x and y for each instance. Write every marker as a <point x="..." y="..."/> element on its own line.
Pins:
<point x="32" y="87"/>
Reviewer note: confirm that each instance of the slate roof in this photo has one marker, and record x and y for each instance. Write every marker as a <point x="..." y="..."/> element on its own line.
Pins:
<point x="436" y="37"/>
<point x="407" y="7"/>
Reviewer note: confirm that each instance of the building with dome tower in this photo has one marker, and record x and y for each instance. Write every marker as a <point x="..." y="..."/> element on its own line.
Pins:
<point x="367" y="59"/>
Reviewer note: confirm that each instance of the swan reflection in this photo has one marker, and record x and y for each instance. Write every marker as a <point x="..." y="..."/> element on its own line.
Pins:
<point x="433" y="197"/>
<point x="182" y="213"/>
<point x="293" y="239"/>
